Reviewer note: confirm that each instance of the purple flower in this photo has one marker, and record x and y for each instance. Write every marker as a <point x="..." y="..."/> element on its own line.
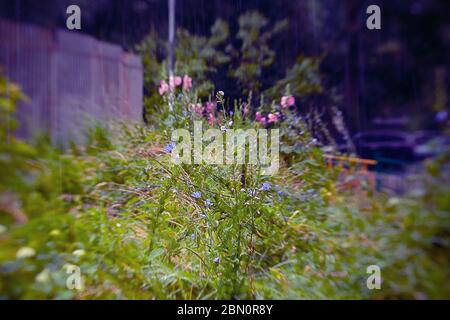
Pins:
<point x="197" y="195"/>
<point x="266" y="186"/>
<point x="441" y="116"/>
<point x="251" y="192"/>
<point x="208" y="202"/>
<point x="169" y="147"/>
<point x="216" y="260"/>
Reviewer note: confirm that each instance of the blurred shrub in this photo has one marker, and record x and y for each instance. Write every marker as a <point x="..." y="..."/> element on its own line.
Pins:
<point x="254" y="53"/>
<point x="242" y="59"/>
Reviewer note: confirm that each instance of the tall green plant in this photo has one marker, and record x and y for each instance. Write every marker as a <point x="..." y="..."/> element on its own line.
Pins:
<point x="254" y="53"/>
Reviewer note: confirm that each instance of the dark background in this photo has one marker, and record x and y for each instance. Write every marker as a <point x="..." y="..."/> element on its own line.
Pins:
<point x="385" y="73"/>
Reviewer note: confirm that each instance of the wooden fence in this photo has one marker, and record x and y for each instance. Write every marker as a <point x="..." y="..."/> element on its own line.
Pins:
<point x="72" y="80"/>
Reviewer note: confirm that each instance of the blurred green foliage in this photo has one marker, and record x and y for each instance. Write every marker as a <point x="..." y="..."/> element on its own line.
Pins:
<point x="303" y="78"/>
<point x="254" y="54"/>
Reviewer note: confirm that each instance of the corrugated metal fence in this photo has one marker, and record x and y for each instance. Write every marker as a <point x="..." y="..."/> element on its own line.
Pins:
<point x="72" y="80"/>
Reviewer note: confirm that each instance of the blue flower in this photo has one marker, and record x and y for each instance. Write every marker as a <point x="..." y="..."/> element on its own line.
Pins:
<point x="208" y="202"/>
<point x="169" y="147"/>
<point x="216" y="260"/>
<point x="197" y="195"/>
<point x="266" y="186"/>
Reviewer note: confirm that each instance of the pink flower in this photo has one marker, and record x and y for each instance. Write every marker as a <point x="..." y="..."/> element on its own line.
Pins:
<point x="163" y="87"/>
<point x="211" y="119"/>
<point x="210" y="106"/>
<point x="174" y="81"/>
<point x="187" y="82"/>
<point x="197" y="108"/>
<point x="260" y="118"/>
<point x="272" y="118"/>
<point x="287" y="101"/>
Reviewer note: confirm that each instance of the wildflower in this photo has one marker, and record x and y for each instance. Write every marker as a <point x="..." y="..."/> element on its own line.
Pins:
<point x="272" y="118"/>
<point x="251" y="192"/>
<point x="220" y="93"/>
<point x="208" y="202"/>
<point x="216" y="260"/>
<point x="211" y="119"/>
<point x="187" y="82"/>
<point x="25" y="252"/>
<point x="441" y="116"/>
<point x="174" y="81"/>
<point x="197" y="108"/>
<point x="79" y="253"/>
<point x="193" y="236"/>
<point x="209" y="106"/>
<point x="266" y="186"/>
<point x="43" y="276"/>
<point x="163" y="87"/>
<point x="287" y="101"/>
<point x="169" y="147"/>
<point x="197" y="195"/>
<point x="260" y="118"/>
<point x="231" y="113"/>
